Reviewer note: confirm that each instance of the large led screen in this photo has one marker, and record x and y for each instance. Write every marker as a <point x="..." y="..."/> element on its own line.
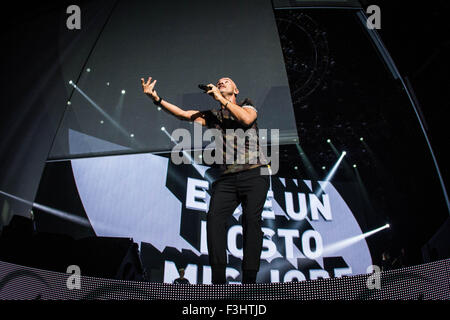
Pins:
<point x="310" y="229"/>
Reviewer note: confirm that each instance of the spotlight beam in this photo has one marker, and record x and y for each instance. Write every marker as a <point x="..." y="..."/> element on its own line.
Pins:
<point x="330" y="174"/>
<point x="105" y="114"/>
<point x="335" y="150"/>
<point x="58" y="213"/>
<point x="332" y="248"/>
<point x="64" y="215"/>
<point x="119" y="108"/>
<point x="306" y="162"/>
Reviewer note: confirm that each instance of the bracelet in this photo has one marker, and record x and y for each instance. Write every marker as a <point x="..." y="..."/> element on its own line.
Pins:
<point x="158" y="103"/>
<point x="226" y="104"/>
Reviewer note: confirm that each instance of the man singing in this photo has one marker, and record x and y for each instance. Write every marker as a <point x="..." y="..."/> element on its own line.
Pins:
<point x="239" y="182"/>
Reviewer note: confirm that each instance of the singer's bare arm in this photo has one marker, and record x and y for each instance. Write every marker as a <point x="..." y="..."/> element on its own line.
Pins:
<point x="196" y="116"/>
<point x="188" y="115"/>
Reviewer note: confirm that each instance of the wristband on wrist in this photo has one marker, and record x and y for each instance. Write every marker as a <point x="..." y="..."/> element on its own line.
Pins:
<point x="158" y="103"/>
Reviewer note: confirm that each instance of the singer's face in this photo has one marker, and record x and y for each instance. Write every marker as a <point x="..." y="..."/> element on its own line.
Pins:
<point x="226" y="85"/>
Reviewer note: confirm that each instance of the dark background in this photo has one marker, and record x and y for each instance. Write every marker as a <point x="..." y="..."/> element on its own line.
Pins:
<point x="416" y="37"/>
<point x="358" y="97"/>
<point x="412" y="32"/>
<point x="415" y="33"/>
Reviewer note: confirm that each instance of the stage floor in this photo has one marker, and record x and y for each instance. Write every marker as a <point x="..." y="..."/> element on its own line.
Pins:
<point x="423" y="282"/>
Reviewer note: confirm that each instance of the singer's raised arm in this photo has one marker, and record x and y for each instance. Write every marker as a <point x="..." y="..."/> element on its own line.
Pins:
<point x="188" y="115"/>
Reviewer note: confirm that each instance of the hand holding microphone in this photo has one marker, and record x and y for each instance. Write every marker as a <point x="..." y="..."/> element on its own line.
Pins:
<point x="212" y="90"/>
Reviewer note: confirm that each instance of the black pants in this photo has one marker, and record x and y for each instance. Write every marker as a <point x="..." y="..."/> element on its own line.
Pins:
<point x="248" y="188"/>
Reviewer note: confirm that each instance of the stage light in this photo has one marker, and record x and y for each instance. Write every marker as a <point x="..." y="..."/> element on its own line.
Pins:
<point x="295" y="168"/>
<point x="328" y="140"/>
<point x="388" y="225"/>
<point x="323" y="168"/>
<point x="123" y="91"/>
<point x="354" y="166"/>
<point x="132" y="135"/>
<point x="69" y="103"/>
<point x="70" y="82"/>
<point x="88" y="69"/>
<point x="344" y="153"/>
<point x="101" y="121"/>
<point x="162" y="128"/>
<point x="159" y="108"/>
<point x="361" y="139"/>
<point x="107" y="84"/>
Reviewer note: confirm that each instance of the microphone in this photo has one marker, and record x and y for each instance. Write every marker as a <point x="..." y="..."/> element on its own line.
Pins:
<point x="204" y="87"/>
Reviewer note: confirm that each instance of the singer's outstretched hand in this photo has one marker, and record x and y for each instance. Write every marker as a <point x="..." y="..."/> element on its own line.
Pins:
<point x="149" y="87"/>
